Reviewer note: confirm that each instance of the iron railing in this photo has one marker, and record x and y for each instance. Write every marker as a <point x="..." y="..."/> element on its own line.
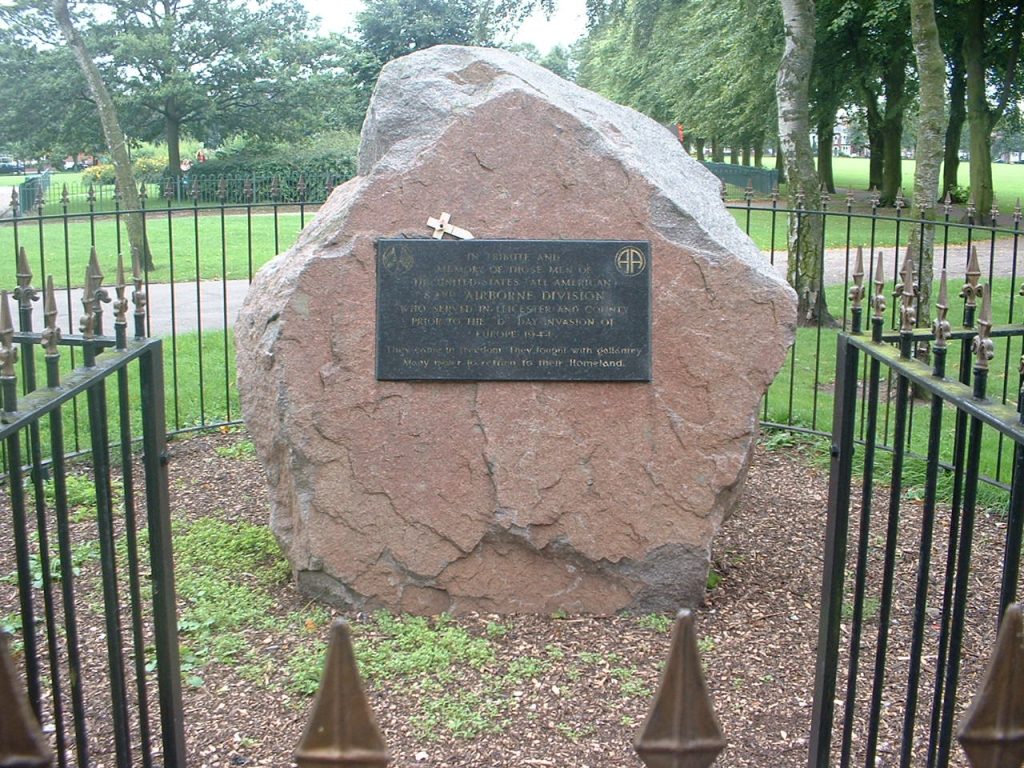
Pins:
<point x="134" y="697"/>
<point x="920" y="595"/>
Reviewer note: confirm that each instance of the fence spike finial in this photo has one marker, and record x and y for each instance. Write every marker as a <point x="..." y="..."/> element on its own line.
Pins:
<point x="21" y="740"/>
<point x="65" y="197"/>
<point x="1016" y="212"/>
<point x="8" y="352"/>
<point x="857" y="289"/>
<point x="983" y="346"/>
<point x="947" y="203"/>
<point x="121" y="303"/>
<point x="971" y="291"/>
<point x="138" y="294"/>
<point x="90" y="196"/>
<point x="992" y="730"/>
<point x="940" y="325"/>
<point x="15" y="199"/>
<point x="341" y="731"/>
<point x="24" y="294"/>
<point x="907" y="292"/>
<point x="681" y="730"/>
<point x="51" y="335"/>
<point x="878" y="303"/>
<point x="88" y="318"/>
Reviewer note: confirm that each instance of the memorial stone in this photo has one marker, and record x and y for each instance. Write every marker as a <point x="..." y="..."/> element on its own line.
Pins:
<point x="509" y="423"/>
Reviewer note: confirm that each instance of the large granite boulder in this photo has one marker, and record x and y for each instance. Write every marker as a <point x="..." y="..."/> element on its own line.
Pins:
<point x="509" y="496"/>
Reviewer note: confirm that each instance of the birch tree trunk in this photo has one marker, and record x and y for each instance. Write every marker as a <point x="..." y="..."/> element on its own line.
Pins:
<point x="804" y="270"/>
<point x="931" y="68"/>
<point x="112" y="132"/>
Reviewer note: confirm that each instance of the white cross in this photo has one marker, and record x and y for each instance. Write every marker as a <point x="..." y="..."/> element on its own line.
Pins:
<point x="443" y="226"/>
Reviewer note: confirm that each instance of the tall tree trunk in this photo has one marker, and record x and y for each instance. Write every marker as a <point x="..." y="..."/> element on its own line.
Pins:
<point x="745" y="159"/>
<point x="804" y="270"/>
<point x="825" y="130"/>
<point x="717" y="152"/>
<point x="876" y="140"/>
<point x="895" y="80"/>
<point x="112" y="132"/>
<point x="931" y="67"/>
<point x="780" y="163"/>
<point x="734" y="155"/>
<point x="979" y="119"/>
<point x="699" y="144"/>
<point x="957" y="116"/>
<point x="172" y="133"/>
<point x="758" y="152"/>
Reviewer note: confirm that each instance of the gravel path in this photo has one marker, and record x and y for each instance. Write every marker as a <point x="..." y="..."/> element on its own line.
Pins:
<point x="997" y="260"/>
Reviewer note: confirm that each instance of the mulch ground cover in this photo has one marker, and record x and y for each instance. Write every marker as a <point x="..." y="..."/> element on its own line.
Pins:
<point x="496" y="691"/>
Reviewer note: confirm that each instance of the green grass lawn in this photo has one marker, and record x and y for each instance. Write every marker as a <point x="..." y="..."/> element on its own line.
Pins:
<point x="234" y="245"/>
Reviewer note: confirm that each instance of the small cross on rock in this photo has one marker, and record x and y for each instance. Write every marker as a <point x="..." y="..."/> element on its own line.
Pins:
<point x="443" y="226"/>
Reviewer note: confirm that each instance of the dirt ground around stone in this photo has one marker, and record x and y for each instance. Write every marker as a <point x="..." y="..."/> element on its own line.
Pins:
<point x="592" y="678"/>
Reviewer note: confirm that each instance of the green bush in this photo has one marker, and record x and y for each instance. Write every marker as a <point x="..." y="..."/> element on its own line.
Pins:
<point x="149" y="167"/>
<point x="99" y="174"/>
<point x="323" y="161"/>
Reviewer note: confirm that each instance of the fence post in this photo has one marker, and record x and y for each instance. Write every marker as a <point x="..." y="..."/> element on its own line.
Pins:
<point x="341" y="732"/>
<point x="681" y="730"/>
<point x="22" y="744"/>
<point x="835" y="552"/>
<point x="992" y="731"/>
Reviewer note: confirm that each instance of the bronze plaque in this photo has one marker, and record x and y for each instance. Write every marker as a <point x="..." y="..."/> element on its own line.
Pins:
<point x="514" y="310"/>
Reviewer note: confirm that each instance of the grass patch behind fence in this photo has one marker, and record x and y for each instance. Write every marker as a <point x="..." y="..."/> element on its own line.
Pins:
<point x="208" y="245"/>
<point x="802" y="396"/>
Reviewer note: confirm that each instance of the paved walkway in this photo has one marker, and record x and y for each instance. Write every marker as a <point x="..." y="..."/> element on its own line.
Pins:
<point x="189" y="305"/>
<point x="995" y="261"/>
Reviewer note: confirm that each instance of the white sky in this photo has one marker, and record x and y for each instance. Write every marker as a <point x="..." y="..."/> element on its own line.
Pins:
<point x="566" y="25"/>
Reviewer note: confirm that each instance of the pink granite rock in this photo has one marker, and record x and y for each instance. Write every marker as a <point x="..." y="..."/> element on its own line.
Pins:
<point x="509" y="496"/>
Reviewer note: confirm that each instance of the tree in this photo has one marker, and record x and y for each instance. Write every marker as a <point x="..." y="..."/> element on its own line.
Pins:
<point x="204" y="63"/>
<point x="804" y="267"/>
<point x="931" y="68"/>
<point x="111" y="130"/>
<point x="388" y="29"/>
<point x="199" y="66"/>
<point x="992" y="39"/>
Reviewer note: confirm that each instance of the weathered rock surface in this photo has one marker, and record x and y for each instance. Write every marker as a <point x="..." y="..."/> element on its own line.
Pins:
<point x="508" y="496"/>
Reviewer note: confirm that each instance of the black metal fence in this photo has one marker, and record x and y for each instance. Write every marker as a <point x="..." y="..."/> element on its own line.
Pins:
<point x="204" y="255"/>
<point x="909" y="598"/>
<point x="94" y="580"/>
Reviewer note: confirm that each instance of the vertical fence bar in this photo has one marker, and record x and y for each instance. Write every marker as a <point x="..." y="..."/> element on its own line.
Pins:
<point x="867" y="500"/>
<point x="983" y="351"/>
<point x="169" y="194"/>
<point x="892" y="529"/>
<point x="50" y="338"/>
<point x="96" y="398"/>
<point x="941" y="331"/>
<point x="199" y="303"/>
<point x="130" y="532"/>
<point x="835" y="553"/>
<point x="9" y="391"/>
<point x="165" y="621"/>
